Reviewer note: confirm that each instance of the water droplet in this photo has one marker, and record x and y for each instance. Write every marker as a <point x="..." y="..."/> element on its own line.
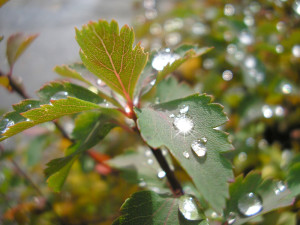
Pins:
<point x="199" y="147"/>
<point x="172" y="115"/>
<point x="254" y="7"/>
<point x="148" y="153"/>
<point x="161" y="59"/>
<point x="286" y="88"/>
<point x="199" y="29"/>
<point x="279" y="111"/>
<point x="246" y="38"/>
<point x="60" y="95"/>
<point x="279" y="187"/>
<point x="296" y="7"/>
<point x="229" y="10"/>
<point x="231" y="218"/>
<point x="183" y="124"/>
<point x="279" y="49"/>
<point x="231" y="49"/>
<point x="189" y="208"/>
<point x="127" y="109"/>
<point x="186" y="154"/>
<point x="267" y="111"/>
<point x="249" y="20"/>
<point x="150" y="161"/>
<point x="250" y="62"/>
<point x="173" y="38"/>
<point x="152" y="82"/>
<point x="28" y="107"/>
<point x="242" y="156"/>
<point x="151" y="14"/>
<point x="296" y="48"/>
<point x="250" y="204"/>
<point x="142" y="183"/>
<point x="5" y="124"/>
<point x="155" y="29"/>
<point x="173" y="24"/>
<point x="280" y="26"/>
<point x="227" y="75"/>
<point x="136" y="101"/>
<point x="161" y="174"/>
<point x="99" y="82"/>
<point x="164" y="152"/>
<point x="262" y="143"/>
<point x="184" y="110"/>
<point x="250" y="142"/>
<point x="208" y="63"/>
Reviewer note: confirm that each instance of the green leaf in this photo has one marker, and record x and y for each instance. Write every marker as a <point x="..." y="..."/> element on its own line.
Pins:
<point x="16" y="45"/>
<point x="107" y="52"/>
<point x="169" y="89"/>
<point x="210" y="173"/>
<point x="66" y="71"/>
<point x="185" y="52"/>
<point x="90" y="128"/>
<point x="147" y="207"/>
<point x="293" y="177"/>
<point x="47" y="112"/>
<point x="264" y="189"/>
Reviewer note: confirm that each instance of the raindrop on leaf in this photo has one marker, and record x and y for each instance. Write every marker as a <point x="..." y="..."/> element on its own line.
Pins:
<point x="250" y="204"/>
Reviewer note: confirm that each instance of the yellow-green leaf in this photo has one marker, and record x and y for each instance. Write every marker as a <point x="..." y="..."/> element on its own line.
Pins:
<point x="4" y="81"/>
<point x="108" y="53"/>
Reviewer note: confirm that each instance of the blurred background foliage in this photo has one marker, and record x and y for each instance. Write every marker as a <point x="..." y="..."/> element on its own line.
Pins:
<point x="253" y="70"/>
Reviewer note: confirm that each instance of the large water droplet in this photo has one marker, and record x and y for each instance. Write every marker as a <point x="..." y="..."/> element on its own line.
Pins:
<point x="279" y="187"/>
<point x="189" y="208"/>
<point x="183" y="124"/>
<point x="186" y="154"/>
<point x="184" y="109"/>
<point x="161" y="174"/>
<point x="161" y="59"/>
<point x="60" y="95"/>
<point x="286" y="88"/>
<point x="231" y="218"/>
<point x="250" y="204"/>
<point x="250" y="62"/>
<point x="267" y="111"/>
<point x="5" y="124"/>
<point x="199" y="147"/>
<point x="227" y="75"/>
<point x="296" y="50"/>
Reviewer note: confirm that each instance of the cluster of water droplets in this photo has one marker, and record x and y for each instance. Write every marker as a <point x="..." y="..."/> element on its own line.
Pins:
<point x="5" y="124"/>
<point x="162" y="58"/>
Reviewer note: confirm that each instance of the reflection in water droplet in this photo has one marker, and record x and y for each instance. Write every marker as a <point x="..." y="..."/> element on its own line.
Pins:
<point x="199" y="147"/>
<point x="229" y="10"/>
<point x="250" y="204"/>
<point x="246" y="38"/>
<point x="189" y="208"/>
<point x="267" y="111"/>
<point x="183" y="124"/>
<point x="296" y="50"/>
<point x="231" y="218"/>
<point x="280" y="187"/>
<point x="279" y="49"/>
<point x="161" y="59"/>
<point x="60" y="95"/>
<point x="184" y="110"/>
<point x="286" y="88"/>
<point x="150" y="161"/>
<point x="186" y="154"/>
<point x="161" y="174"/>
<point x="5" y="124"/>
<point x="227" y="75"/>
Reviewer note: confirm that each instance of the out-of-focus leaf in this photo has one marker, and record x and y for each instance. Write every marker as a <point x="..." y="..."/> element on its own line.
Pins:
<point x="271" y="194"/>
<point x="66" y="71"/>
<point x="1" y="37"/>
<point x="147" y="207"/>
<point x="90" y="128"/>
<point x="209" y="173"/>
<point x="293" y="177"/>
<point x="2" y="2"/>
<point x="16" y="45"/>
<point x="107" y="52"/>
<point x="4" y="81"/>
<point x="35" y="148"/>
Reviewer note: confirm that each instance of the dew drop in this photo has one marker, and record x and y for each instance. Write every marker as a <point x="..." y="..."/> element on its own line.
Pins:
<point x="296" y="48"/>
<point x="286" y="88"/>
<point x="152" y="82"/>
<point x="161" y="174"/>
<point x="279" y="187"/>
<point x="229" y="10"/>
<point x="250" y="62"/>
<point x="267" y="111"/>
<point x="151" y="14"/>
<point x="199" y="147"/>
<point x="189" y="208"/>
<point x="231" y="218"/>
<point x="148" y="153"/>
<point x="99" y="82"/>
<point x="249" y="20"/>
<point x="28" y="107"/>
<point x="183" y="124"/>
<point x="171" y="115"/>
<point x="155" y="29"/>
<point x="246" y="38"/>
<point x="231" y="48"/>
<point x="186" y="154"/>
<point x="161" y="59"/>
<point x="279" y="111"/>
<point x="199" y="29"/>
<point x="173" y="24"/>
<point x="150" y="161"/>
<point x="250" y="204"/>
<point x="242" y="156"/>
<point x="60" y="95"/>
<point x="5" y="124"/>
<point x="208" y="64"/>
<point x="227" y="75"/>
<point x="279" y="49"/>
<point x="142" y="183"/>
<point x="173" y="38"/>
<point x="184" y="110"/>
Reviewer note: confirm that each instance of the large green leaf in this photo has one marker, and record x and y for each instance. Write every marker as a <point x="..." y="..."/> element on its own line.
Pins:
<point x="149" y="208"/>
<point x="14" y="123"/>
<point x="107" y="52"/>
<point x="210" y="173"/>
<point x="293" y="177"/>
<point x="271" y="194"/>
<point x="16" y="45"/>
<point x="90" y="128"/>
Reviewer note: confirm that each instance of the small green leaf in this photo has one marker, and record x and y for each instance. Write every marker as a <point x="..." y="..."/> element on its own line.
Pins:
<point x="169" y="89"/>
<point x="66" y="71"/>
<point x="90" y="128"/>
<point x="16" y="45"/>
<point x="47" y="112"/>
<point x="107" y="52"/>
<point x="267" y="190"/>
<point x="210" y="173"/>
<point x="147" y="207"/>
<point x="185" y="52"/>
